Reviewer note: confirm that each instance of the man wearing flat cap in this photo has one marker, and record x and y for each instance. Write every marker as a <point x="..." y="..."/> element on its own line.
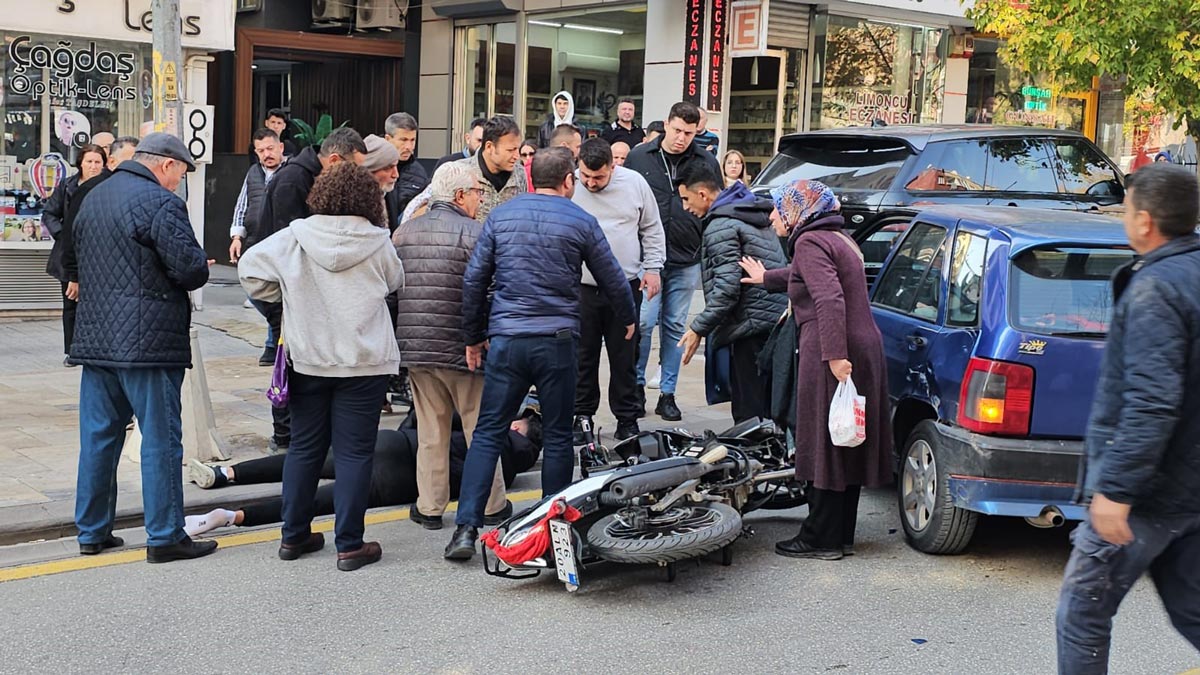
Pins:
<point x="137" y="258"/>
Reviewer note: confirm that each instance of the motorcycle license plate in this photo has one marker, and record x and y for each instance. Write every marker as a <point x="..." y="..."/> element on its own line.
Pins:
<point x="561" y="540"/>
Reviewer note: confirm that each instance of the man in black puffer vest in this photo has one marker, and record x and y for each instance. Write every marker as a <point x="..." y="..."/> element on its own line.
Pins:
<point x="138" y="258"/>
<point x="269" y="150"/>
<point x="737" y="315"/>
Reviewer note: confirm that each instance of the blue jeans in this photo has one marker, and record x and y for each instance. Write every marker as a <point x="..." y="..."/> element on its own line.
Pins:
<point x="668" y="310"/>
<point x="339" y="414"/>
<point x="108" y="400"/>
<point x="1099" y="574"/>
<point x="513" y="365"/>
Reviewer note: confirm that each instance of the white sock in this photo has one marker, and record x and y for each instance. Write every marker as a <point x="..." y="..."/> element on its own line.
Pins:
<point x="194" y="525"/>
<point x="225" y="472"/>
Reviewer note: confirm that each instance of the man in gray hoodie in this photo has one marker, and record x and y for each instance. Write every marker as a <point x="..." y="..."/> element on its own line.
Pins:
<point x="628" y="213"/>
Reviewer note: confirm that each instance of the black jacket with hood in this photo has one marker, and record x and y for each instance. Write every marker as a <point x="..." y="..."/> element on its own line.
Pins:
<point x="287" y="196"/>
<point x="413" y="178"/>
<point x="684" y="231"/>
<point x="738" y="224"/>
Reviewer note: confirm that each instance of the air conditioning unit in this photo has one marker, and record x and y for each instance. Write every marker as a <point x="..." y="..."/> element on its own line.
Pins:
<point x="332" y="10"/>
<point x="383" y="14"/>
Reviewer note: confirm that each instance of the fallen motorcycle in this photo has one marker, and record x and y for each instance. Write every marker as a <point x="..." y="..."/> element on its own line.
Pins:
<point x="658" y="498"/>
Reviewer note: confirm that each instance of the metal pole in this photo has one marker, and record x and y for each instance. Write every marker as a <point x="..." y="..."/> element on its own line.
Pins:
<point x="168" y="69"/>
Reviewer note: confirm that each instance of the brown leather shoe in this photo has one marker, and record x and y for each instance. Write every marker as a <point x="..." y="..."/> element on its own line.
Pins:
<point x="315" y="542"/>
<point x="370" y="552"/>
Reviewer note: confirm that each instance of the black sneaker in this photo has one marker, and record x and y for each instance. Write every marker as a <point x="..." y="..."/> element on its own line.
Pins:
<point x="627" y="430"/>
<point x="500" y="516"/>
<point x="277" y="448"/>
<point x="667" y="409"/>
<point x="578" y="436"/>
<point x="427" y="522"/>
<point x="268" y="357"/>
<point x="184" y="549"/>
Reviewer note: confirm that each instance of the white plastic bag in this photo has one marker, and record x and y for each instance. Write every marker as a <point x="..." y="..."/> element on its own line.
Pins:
<point x="848" y="416"/>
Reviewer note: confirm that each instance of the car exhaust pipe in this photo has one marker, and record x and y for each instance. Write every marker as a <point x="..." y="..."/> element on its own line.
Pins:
<point x="1049" y="517"/>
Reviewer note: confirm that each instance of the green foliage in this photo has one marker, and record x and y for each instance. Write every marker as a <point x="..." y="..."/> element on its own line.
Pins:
<point x="1154" y="44"/>
<point x="306" y="135"/>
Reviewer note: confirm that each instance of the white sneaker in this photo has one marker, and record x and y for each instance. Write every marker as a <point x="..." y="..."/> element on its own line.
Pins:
<point x="201" y="474"/>
<point x="656" y="380"/>
<point x="247" y="304"/>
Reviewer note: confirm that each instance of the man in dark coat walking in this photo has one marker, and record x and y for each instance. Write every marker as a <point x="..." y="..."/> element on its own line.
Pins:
<point x="134" y="233"/>
<point x="737" y="315"/>
<point x="530" y="255"/>
<point x="1142" y="468"/>
<point x="435" y="249"/>
<point x="287" y="200"/>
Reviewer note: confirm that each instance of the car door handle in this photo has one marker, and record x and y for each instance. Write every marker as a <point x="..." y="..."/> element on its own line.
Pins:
<point x="916" y="342"/>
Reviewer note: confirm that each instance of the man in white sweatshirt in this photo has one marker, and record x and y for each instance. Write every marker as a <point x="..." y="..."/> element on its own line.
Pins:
<point x="628" y="213"/>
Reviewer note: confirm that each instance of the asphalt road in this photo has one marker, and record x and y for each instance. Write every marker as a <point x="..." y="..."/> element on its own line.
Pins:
<point x="243" y="610"/>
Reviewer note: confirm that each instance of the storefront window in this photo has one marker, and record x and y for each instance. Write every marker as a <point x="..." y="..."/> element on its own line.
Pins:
<point x="865" y="71"/>
<point x="998" y="94"/>
<point x="55" y="94"/>
<point x="598" y="57"/>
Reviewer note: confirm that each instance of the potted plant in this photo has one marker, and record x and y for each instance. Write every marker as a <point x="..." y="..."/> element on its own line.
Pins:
<point x="308" y="136"/>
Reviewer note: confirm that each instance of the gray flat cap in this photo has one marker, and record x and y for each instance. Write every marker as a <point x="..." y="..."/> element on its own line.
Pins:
<point x="166" y="145"/>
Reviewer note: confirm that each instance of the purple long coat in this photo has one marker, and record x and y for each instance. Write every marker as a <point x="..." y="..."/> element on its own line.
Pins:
<point x="828" y="289"/>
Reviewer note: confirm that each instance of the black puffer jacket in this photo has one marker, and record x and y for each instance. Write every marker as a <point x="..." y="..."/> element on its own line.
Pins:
<point x="138" y="258"/>
<point x="287" y="196"/>
<point x="1143" y="440"/>
<point x="435" y="249"/>
<point x="738" y="225"/>
<point x="684" y="231"/>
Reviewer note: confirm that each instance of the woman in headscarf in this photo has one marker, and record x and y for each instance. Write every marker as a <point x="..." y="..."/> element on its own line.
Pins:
<point x="837" y="337"/>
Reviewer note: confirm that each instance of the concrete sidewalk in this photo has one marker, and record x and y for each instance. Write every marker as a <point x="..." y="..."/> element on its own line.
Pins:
<point x="39" y="432"/>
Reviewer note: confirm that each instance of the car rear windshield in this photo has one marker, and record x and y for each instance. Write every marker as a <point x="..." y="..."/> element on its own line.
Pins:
<point x="1064" y="291"/>
<point x="854" y="167"/>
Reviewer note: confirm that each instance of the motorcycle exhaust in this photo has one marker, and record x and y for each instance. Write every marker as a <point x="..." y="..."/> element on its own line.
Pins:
<point x="1049" y="517"/>
<point x="639" y="484"/>
<point x="770" y="476"/>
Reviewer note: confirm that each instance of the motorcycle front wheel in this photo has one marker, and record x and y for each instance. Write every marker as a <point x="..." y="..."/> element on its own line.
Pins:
<point x="679" y="533"/>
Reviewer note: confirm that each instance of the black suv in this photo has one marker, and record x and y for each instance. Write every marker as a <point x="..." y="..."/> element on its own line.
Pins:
<point x="884" y="175"/>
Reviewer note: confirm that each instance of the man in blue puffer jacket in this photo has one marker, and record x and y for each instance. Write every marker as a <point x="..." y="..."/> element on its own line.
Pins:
<point x="531" y="252"/>
<point x="137" y="259"/>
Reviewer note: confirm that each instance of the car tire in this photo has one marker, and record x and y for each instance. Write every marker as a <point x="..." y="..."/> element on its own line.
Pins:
<point x="931" y="521"/>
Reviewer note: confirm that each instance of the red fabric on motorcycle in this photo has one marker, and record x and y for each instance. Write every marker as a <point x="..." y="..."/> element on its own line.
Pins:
<point x="536" y="542"/>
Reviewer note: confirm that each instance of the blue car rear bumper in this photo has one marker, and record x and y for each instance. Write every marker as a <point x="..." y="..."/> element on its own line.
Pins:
<point x="1009" y="476"/>
<point x="1004" y="498"/>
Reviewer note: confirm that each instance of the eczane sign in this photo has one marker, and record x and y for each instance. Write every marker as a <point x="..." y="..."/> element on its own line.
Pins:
<point x="204" y="24"/>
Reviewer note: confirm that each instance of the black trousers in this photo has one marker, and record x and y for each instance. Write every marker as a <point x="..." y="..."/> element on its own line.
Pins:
<point x="832" y="517"/>
<point x="598" y="325"/>
<point x="68" y="318"/>
<point x="393" y="480"/>
<point x="749" y="393"/>
<point x="342" y="414"/>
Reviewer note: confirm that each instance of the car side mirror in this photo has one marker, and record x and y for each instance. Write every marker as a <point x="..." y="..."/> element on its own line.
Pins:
<point x="1107" y="188"/>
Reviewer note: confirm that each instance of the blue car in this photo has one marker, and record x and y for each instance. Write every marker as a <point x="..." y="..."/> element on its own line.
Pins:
<point x="993" y="323"/>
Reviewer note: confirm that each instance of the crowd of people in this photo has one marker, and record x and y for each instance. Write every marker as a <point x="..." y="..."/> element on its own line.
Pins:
<point x="507" y="271"/>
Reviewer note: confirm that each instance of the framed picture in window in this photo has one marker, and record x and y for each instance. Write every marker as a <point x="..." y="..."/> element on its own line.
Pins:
<point x="584" y="92"/>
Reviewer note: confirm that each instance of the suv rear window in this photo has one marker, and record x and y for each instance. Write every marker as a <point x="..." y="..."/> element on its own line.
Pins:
<point x="854" y="167"/>
<point x="1064" y="291"/>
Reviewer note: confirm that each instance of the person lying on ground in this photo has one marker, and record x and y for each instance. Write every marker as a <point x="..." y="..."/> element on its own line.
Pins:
<point x="393" y="478"/>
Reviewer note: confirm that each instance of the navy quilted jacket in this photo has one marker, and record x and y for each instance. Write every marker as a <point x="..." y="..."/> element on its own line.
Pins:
<point x="137" y="259"/>
<point x="531" y="252"/>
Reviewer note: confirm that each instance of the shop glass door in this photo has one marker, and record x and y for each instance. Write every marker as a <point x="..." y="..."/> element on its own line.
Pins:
<point x="758" y="88"/>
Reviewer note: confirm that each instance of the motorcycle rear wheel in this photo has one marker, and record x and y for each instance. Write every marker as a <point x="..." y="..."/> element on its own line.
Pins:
<point x="682" y="532"/>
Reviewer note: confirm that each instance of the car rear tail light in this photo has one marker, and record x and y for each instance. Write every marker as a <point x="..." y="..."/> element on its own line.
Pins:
<point x="996" y="398"/>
